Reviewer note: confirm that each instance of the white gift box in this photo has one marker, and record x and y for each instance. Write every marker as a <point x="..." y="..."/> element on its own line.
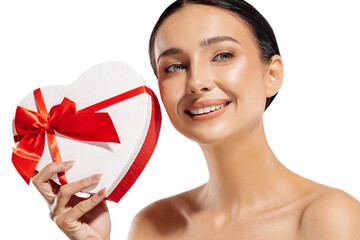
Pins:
<point x="118" y="90"/>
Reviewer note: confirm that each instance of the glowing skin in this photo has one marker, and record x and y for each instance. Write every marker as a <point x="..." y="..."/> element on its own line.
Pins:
<point x="206" y="53"/>
<point x="219" y="59"/>
<point x="222" y="70"/>
<point x="229" y="68"/>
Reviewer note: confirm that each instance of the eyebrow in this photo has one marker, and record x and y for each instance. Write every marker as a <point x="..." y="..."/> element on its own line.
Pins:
<point x="168" y="52"/>
<point x="203" y="43"/>
<point x="214" y="40"/>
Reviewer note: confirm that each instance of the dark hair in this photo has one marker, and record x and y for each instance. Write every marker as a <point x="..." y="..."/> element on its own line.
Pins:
<point x="257" y="24"/>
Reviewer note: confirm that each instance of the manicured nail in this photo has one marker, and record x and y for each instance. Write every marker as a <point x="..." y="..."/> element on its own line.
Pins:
<point x="95" y="177"/>
<point x="67" y="164"/>
<point x="101" y="193"/>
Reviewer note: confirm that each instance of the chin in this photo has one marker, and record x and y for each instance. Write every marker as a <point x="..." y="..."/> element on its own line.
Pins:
<point x="206" y="136"/>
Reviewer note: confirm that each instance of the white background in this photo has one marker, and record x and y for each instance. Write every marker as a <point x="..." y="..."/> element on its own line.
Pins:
<point x="312" y="126"/>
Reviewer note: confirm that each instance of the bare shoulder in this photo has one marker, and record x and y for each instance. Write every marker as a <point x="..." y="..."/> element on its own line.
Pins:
<point x="163" y="218"/>
<point x="332" y="214"/>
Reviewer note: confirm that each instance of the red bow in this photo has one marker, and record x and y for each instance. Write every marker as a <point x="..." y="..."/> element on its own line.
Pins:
<point x="63" y="118"/>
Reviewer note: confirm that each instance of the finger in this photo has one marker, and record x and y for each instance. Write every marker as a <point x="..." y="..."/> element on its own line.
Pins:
<point x="68" y="190"/>
<point x="83" y="207"/>
<point x="42" y="183"/>
<point x="49" y="170"/>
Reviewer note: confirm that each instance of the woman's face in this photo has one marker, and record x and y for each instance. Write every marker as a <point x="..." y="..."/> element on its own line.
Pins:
<point x="207" y="57"/>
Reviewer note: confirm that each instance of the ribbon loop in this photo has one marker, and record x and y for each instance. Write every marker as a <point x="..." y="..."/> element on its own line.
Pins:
<point x="27" y="121"/>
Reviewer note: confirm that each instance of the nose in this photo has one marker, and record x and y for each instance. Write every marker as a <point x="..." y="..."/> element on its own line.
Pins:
<point x="199" y="80"/>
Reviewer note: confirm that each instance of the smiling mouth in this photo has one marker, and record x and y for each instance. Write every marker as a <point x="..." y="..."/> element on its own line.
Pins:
<point x="206" y="110"/>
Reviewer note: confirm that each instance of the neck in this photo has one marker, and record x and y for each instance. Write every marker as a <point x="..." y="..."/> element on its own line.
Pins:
<point x="243" y="172"/>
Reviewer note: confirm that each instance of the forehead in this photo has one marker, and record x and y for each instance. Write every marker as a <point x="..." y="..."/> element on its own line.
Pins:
<point x="192" y="24"/>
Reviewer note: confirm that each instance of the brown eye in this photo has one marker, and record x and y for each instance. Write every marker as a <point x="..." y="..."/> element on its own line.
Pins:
<point x="223" y="56"/>
<point x="174" y="68"/>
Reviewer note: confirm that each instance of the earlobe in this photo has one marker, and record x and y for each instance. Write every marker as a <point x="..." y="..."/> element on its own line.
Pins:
<point x="275" y="76"/>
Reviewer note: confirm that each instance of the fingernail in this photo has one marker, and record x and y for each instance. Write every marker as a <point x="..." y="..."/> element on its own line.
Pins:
<point x="95" y="177"/>
<point x="67" y="164"/>
<point x="101" y="193"/>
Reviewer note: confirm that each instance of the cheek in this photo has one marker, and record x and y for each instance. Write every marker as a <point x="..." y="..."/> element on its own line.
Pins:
<point x="171" y="94"/>
<point x="240" y="79"/>
<point x="243" y="82"/>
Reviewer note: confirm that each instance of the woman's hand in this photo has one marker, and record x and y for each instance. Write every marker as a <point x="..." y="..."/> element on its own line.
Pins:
<point x="76" y="217"/>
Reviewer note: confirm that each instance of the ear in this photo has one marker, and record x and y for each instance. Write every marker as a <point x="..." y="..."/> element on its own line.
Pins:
<point x="275" y="74"/>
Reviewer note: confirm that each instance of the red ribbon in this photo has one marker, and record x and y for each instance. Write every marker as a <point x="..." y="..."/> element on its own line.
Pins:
<point x="85" y="125"/>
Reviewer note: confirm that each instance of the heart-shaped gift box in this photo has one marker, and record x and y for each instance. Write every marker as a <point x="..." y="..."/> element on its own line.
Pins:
<point x="113" y="130"/>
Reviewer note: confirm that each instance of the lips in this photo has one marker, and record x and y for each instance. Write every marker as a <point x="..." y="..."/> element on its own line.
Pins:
<point x="206" y="103"/>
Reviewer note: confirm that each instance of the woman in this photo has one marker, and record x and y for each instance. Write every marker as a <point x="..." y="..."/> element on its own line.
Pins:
<point x="218" y="68"/>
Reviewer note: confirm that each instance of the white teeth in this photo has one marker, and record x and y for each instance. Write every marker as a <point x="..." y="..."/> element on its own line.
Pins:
<point x="206" y="109"/>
